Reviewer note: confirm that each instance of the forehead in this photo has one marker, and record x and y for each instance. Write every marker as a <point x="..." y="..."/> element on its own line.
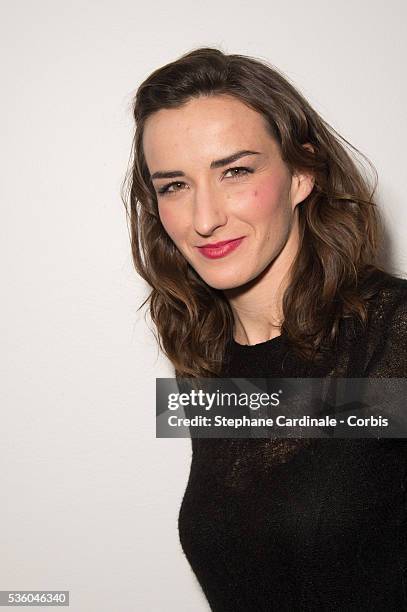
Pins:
<point x="203" y="127"/>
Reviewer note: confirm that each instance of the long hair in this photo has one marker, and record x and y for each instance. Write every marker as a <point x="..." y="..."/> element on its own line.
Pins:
<point x="333" y="273"/>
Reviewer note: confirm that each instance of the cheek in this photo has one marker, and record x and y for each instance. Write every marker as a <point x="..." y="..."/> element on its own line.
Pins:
<point x="267" y="199"/>
<point x="172" y="222"/>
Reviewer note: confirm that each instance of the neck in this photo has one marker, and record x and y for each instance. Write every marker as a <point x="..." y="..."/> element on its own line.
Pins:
<point x="257" y="305"/>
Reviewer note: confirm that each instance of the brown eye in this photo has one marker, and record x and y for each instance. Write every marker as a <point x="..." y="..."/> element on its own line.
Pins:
<point x="238" y="172"/>
<point x="166" y="189"/>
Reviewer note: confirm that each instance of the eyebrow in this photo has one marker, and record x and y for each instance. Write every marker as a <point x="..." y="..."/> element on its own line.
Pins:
<point x="218" y="163"/>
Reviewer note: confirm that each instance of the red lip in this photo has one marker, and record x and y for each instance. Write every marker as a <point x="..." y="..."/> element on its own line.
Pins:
<point x="220" y="249"/>
<point x="213" y="245"/>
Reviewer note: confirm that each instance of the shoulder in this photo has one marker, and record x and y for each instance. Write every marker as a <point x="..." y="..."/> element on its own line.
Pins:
<point x="389" y="301"/>
<point x="385" y="297"/>
<point x="386" y="340"/>
<point x="388" y="283"/>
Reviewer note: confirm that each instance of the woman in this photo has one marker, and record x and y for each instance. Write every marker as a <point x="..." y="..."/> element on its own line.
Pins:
<point x="227" y="151"/>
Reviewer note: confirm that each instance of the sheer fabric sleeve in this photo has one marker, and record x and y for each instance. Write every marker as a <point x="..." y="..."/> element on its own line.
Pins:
<point x="389" y="358"/>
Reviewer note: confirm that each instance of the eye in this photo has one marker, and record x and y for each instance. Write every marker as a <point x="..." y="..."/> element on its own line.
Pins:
<point x="166" y="188"/>
<point x="238" y="171"/>
<point x="175" y="186"/>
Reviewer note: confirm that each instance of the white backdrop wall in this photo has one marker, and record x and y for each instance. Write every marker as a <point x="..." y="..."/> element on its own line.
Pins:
<point x="90" y="498"/>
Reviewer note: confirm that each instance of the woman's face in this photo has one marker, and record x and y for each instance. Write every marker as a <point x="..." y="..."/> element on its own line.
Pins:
<point x="205" y="198"/>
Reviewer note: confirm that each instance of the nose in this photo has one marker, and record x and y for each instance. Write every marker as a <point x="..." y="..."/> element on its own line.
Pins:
<point x="209" y="210"/>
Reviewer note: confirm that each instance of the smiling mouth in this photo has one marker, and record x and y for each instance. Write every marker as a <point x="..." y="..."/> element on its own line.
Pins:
<point x="218" y="244"/>
<point x="220" y="249"/>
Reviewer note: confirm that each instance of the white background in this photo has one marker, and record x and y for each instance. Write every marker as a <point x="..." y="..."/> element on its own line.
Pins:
<point x="90" y="498"/>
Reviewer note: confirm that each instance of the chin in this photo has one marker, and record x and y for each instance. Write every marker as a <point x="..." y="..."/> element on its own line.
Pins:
<point x="224" y="282"/>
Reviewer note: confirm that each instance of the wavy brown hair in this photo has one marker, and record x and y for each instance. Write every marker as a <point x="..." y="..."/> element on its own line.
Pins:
<point x="332" y="276"/>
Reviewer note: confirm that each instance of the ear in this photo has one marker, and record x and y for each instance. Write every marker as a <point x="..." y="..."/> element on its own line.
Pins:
<point x="302" y="183"/>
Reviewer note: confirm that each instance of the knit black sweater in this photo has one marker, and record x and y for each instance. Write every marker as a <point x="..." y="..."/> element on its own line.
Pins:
<point x="305" y="524"/>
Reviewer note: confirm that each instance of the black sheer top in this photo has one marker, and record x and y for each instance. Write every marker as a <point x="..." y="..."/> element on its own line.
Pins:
<point x="305" y="524"/>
